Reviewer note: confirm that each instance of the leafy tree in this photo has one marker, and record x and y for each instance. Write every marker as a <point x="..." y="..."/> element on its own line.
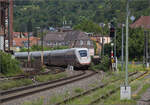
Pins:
<point x="88" y="26"/>
<point x="9" y="66"/>
<point x="52" y="12"/>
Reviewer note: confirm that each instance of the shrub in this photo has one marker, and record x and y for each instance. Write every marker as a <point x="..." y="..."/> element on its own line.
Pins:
<point x="78" y="90"/>
<point x="9" y="66"/>
<point x="15" y="83"/>
<point x="104" y="64"/>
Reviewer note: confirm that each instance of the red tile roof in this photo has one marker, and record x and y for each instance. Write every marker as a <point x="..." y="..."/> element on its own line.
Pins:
<point x="18" y="42"/>
<point x="143" y="21"/>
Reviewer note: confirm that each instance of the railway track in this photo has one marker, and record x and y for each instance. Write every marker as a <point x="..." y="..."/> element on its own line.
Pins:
<point x="115" y="90"/>
<point x="28" y="90"/>
<point x="89" y="91"/>
<point x="30" y="74"/>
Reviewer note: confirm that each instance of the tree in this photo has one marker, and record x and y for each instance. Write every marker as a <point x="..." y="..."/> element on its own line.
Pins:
<point x="88" y="26"/>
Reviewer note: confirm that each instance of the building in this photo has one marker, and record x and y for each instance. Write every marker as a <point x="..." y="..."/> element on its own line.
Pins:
<point x="100" y="40"/>
<point x="79" y="39"/>
<point x="6" y="12"/>
<point x="21" y="34"/>
<point x="143" y="22"/>
<point x="72" y="39"/>
<point x="54" y="39"/>
<point x="23" y="42"/>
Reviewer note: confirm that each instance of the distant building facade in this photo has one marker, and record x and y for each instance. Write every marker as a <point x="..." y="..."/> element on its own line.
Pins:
<point x="23" y="42"/>
<point x="100" y="40"/>
<point x="72" y="39"/>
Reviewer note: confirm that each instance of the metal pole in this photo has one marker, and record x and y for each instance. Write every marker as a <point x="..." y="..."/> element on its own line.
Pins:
<point x="147" y="65"/>
<point x="4" y="37"/>
<point x="115" y="52"/>
<point x="127" y="30"/>
<point x="102" y="46"/>
<point x="103" y="38"/>
<point x="122" y="51"/>
<point x="42" y="47"/>
<point x="144" y="59"/>
<point x="28" y="49"/>
<point x="148" y="47"/>
<point x="8" y="27"/>
<point x="115" y="46"/>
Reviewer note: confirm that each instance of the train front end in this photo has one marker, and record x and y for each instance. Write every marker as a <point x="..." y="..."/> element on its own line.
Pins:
<point x="84" y="58"/>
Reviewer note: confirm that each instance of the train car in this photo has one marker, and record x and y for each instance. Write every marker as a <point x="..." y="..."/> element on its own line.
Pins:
<point x="77" y="57"/>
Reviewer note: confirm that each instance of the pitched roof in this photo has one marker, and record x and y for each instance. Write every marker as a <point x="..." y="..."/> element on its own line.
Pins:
<point x="76" y="35"/>
<point x="143" y="21"/>
<point x="54" y="36"/>
<point x="19" y="41"/>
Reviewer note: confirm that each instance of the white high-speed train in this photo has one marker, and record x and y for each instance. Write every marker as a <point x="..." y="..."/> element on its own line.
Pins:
<point x="78" y="57"/>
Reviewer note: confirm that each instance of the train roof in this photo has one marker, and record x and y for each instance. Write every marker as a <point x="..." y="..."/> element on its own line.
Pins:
<point x="38" y="53"/>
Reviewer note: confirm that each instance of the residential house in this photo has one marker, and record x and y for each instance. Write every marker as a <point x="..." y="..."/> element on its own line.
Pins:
<point x="100" y="40"/>
<point x="143" y="22"/>
<point x="23" y="42"/>
<point x="54" y="39"/>
<point x="79" y="39"/>
<point x="72" y="39"/>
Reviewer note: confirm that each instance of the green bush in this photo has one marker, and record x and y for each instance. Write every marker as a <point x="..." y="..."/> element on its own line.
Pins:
<point x="9" y="66"/>
<point x="104" y="64"/>
<point x="78" y="90"/>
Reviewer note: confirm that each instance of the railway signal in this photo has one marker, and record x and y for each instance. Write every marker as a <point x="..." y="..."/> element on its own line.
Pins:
<point x="112" y="32"/>
<point x="29" y="29"/>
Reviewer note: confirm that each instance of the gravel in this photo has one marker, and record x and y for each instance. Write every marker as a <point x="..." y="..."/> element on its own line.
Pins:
<point x="69" y="89"/>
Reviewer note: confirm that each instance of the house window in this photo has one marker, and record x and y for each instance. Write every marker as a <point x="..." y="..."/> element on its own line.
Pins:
<point x="81" y="42"/>
<point x="56" y="43"/>
<point x="88" y="42"/>
<point x="48" y="42"/>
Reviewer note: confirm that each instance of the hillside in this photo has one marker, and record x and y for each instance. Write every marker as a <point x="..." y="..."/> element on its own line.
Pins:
<point x="58" y="12"/>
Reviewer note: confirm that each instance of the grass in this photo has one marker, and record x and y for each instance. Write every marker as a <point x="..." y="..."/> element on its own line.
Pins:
<point x="44" y="78"/>
<point x="112" y="76"/>
<point x="115" y="98"/>
<point x="24" y="82"/>
<point x="78" y="90"/>
<point x="37" y="102"/>
<point x="88" y="98"/>
<point x="133" y="67"/>
<point x="59" y="98"/>
<point x="14" y="83"/>
<point x="1" y="74"/>
<point x="112" y="100"/>
<point x="56" y="98"/>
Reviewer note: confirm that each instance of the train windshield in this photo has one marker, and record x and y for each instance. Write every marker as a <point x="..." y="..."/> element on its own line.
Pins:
<point x="83" y="53"/>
